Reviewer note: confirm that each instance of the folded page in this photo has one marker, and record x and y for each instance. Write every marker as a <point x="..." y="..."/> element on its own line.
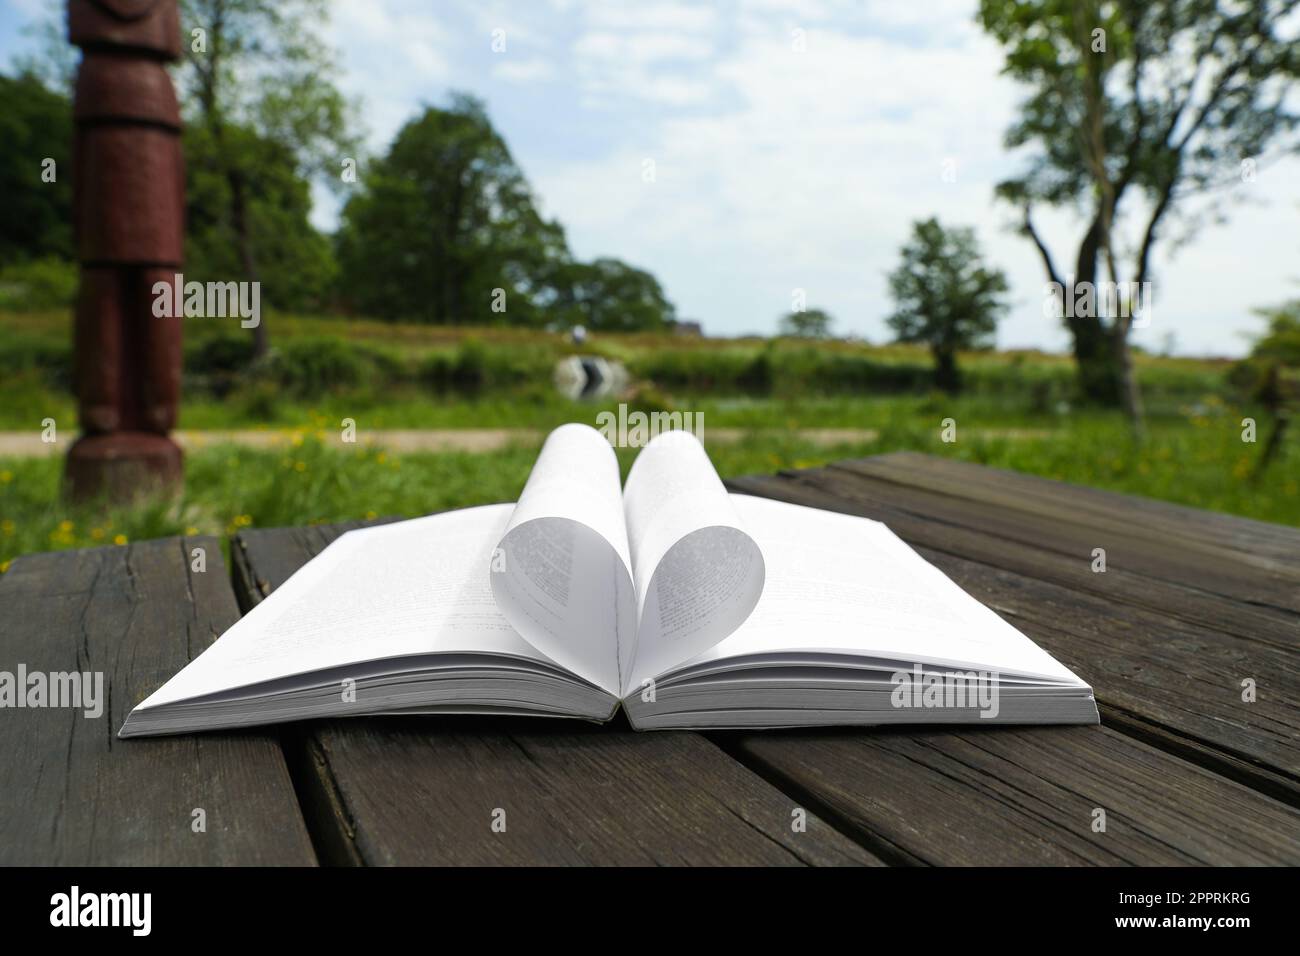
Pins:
<point x="698" y="574"/>
<point x="562" y="574"/>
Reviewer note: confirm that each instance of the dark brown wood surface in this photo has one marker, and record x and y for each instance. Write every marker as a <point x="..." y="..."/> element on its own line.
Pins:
<point x="70" y="791"/>
<point x="1182" y="770"/>
<point x="1002" y="796"/>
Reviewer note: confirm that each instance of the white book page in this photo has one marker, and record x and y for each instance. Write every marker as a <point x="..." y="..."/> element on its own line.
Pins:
<point x="698" y="574"/>
<point x="843" y="584"/>
<point x="410" y="588"/>
<point x="563" y="574"/>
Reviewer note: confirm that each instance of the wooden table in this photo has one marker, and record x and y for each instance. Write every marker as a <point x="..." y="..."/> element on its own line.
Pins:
<point x="1191" y="604"/>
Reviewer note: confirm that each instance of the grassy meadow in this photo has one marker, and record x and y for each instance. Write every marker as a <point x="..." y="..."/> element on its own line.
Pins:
<point x="1017" y="411"/>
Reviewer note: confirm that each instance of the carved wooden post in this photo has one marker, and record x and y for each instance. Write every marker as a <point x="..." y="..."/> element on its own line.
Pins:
<point x="129" y="201"/>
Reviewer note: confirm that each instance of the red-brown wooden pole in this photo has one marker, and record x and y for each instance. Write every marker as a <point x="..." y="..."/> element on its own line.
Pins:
<point x="129" y="202"/>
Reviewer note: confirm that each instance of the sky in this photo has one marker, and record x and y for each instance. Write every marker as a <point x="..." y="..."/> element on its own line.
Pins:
<point x="792" y="143"/>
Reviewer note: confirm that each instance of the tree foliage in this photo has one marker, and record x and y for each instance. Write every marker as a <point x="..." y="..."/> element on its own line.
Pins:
<point x="445" y="228"/>
<point x="806" y="324"/>
<point x="1270" y="377"/>
<point x="1134" y="106"/>
<point x="35" y="125"/>
<point x="295" y="261"/>
<point x="258" y="84"/>
<point x="444" y="221"/>
<point x="609" y="295"/>
<point x="945" y="296"/>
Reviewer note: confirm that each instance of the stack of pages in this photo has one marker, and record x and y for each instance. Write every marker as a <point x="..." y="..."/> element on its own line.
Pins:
<point x="689" y="606"/>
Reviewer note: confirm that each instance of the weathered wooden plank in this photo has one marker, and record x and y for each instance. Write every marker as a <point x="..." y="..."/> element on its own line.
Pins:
<point x="413" y="795"/>
<point x="70" y="791"/>
<point x="1252" y="539"/>
<point x="1185" y="678"/>
<point x="1199" y="552"/>
<point x="423" y="790"/>
<point x="1003" y="796"/>
<point x="1169" y="680"/>
<point x="1206" y="567"/>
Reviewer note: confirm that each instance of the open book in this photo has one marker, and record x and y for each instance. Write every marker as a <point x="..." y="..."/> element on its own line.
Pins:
<point x="690" y="606"/>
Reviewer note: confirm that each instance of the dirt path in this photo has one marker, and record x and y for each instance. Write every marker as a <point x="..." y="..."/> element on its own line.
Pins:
<point x="29" y="445"/>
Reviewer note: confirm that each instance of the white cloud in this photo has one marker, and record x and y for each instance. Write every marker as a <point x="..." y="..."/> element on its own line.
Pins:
<point x="809" y="178"/>
<point x="391" y="54"/>
<point x="414" y="43"/>
<point x="651" y="15"/>
<point x="655" y="52"/>
<point x="525" y="71"/>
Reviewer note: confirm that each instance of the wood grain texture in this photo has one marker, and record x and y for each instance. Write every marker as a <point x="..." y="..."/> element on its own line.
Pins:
<point x="1004" y="796"/>
<point x="1256" y="541"/>
<point x="1198" y="549"/>
<point x="71" y="792"/>
<point x="423" y="790"/>
<point x="1168" y="676"/>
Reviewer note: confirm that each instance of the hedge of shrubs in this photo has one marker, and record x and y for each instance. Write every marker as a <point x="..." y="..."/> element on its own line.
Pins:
<point x="310" y="366"/>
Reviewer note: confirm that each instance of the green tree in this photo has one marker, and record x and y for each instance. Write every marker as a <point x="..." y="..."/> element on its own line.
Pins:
<point x="1134" y="106"/>
<point x="1270" y="376"/>
<point x="35" y="125"/>
<point x="295" y="262"/>
<point x="263" y="119"/>
<point x="807" y="324"/>
<point x="1281" y="340"/>
<point x="261" y="72"/>
<point x="945" y="297"/>
<point x="445" y="228"/>
<point x="610" y="295"/>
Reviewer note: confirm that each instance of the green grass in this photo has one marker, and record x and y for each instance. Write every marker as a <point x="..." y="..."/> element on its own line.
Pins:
<point x="1018" y="413"/>
<point x="24" y="403"/>
<point x="230" y="487"/>
<point x="1198" y="461"/>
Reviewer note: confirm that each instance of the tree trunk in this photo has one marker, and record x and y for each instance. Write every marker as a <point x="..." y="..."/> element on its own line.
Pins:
<point x="1099" y="373"/>
<point x="1274" y="397"/>
<point x="1130" y="394"/>
<point x="1101" y="378"/>
<point x="1273" y="445"/>
<point x="947" y="377"/>
<point x="244" y="241"/>
<point x="238" y="207"/>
